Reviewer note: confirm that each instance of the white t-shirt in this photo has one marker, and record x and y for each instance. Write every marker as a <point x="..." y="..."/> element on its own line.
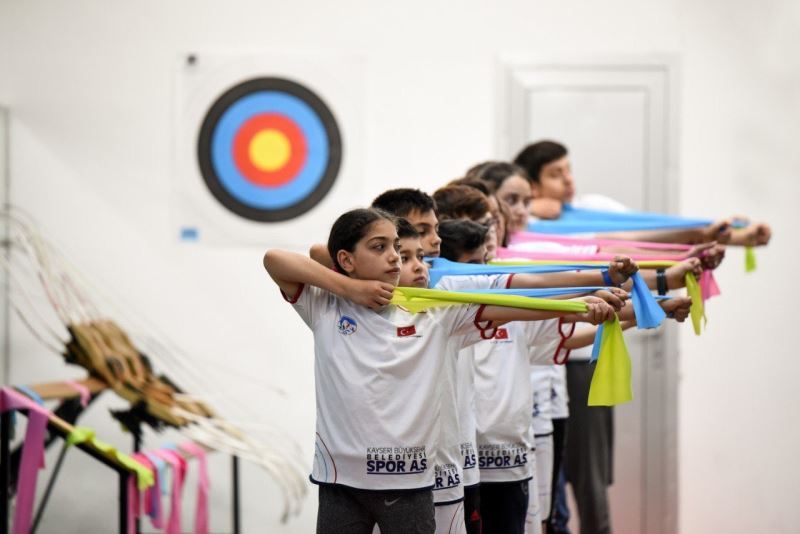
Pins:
<point x="377" y="382"/>
<point x="542" y="386"/>
<point x="503" y="396"/>
<point x="456" y="464"/>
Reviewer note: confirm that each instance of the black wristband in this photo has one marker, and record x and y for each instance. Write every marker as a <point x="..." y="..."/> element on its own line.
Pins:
<point x="661" y="282"/>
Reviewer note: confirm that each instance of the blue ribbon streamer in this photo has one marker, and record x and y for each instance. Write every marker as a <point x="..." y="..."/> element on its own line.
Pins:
<point x="646" y="309"/>
<point x="441" y="267"/>
<point x="598" y="337"/>
<point x="648" y="313"/>
<point x="580" y="220"/>
<point x="539" y="292"/>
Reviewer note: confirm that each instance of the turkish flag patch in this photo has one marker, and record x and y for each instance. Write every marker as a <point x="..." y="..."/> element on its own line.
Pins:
<point x="405" y="331"/>
<point x="501" y="333"/>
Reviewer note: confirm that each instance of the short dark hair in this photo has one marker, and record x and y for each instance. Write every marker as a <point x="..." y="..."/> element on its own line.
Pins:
<point x="460" y="237"/>
<point x="459" y="201"/>
<point x="497" y="172"/>
<point x="535" y="156"/>
<point x="403" y="201"/>
<point x="350" y="228"/>
<point x="405" y="229"/>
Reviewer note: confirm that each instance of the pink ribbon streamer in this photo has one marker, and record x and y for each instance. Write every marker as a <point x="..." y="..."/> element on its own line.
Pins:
<point x="134" y="510"/>
<point x="32" y="455"/>
<point x="82" y="390"/>
<point x="178" y="465"/>
<point x="524" y="237"/>
<point x="505" y="253"/>
<point x="152" y="495"/>
<point x="203" y="484"/>
<point x="708" y="285"/>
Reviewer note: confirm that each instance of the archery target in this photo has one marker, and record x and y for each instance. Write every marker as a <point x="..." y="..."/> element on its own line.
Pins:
<point x="269" y="149"/>
<point x="267" y="146"/>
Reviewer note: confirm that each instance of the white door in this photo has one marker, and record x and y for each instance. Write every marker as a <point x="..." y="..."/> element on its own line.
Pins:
<point x="615" y="118"/>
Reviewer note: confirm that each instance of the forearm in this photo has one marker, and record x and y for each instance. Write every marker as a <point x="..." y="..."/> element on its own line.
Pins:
<point x="503" y="314"/>
<point x="685" y="235"/>
<point x="290" y="270"/>
<point x="627" y="313"/>
<point x="585" y="336"/>
<point x="565" y="279"/>
<point x="581" y="338"/>
<point x="319" y="253"/>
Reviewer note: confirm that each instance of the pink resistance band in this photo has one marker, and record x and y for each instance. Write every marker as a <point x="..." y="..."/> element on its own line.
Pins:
<point x="32" y="455"/>
<point x="505" y="253"/>
<point x="203" y="484"/>
<point x="152" y="497"/>
<point x="707" y="282"/>
<point x="82" y="390"/>
<point x="524" y="237"/>
<point x="178" y="475"/>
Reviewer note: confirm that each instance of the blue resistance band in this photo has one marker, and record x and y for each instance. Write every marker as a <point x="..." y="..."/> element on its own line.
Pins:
<point x="648" y="313"/>
<point x="579" y="220"/>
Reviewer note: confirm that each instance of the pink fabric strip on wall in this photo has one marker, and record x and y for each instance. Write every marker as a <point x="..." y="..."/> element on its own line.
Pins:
<point x="32" y="455"/>
<point x="178" y="465"/>
<point x="203" y="485"/>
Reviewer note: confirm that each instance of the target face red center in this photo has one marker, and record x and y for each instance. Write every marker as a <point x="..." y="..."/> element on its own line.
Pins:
<point x="269" y="149"/>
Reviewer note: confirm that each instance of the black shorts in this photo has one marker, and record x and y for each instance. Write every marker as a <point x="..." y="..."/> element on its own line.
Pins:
<point x="344" y="510"/>
<point x="472" y="509"/>
<point x="504" y="506"/>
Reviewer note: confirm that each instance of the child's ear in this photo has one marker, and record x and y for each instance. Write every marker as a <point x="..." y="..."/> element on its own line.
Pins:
<point x="536" y="189"/>
<point x="346" y="260"/>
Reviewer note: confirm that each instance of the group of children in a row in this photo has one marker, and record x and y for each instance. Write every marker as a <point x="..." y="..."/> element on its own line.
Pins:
<point x="442" y="421"/>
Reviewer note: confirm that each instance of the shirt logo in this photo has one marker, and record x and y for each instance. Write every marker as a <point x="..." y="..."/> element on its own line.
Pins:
<point x="347" y="325"/>
<point x="501" y="333"/>
<point x="405" y="331"/>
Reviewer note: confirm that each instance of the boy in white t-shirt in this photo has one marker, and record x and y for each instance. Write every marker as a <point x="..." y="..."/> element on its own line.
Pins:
<point x="591" y="441"/>
<point x="504" y="439"/>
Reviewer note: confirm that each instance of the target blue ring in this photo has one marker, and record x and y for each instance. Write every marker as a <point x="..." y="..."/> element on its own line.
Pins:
<point x="309" y="176"/>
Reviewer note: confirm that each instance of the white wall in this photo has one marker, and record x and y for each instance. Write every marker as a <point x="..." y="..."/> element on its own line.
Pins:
<point x="89" y="86"/>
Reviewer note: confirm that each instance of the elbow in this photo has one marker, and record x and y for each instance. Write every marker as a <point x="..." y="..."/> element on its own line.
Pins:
<point x="269" y="258"/>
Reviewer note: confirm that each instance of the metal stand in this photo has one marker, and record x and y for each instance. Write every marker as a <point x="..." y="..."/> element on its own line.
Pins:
<point x="50" y="484"/>
<point x="235" y="483"/>
<point x="8" y="477"/>
<point x="5" y="471"/>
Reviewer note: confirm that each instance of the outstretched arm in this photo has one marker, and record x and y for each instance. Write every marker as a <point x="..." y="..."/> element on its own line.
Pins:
<point x="598" y="311"/>
<point x="755" y="235"/>
<point x="677" y="309"/>
<point x="585" y="336"/>
<point x="676" y="275"/>
<point x="719" y="231"/>
<point x="619" y="270"/>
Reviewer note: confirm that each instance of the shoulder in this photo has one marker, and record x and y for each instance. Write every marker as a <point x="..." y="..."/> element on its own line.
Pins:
<point x="599" y="202"/>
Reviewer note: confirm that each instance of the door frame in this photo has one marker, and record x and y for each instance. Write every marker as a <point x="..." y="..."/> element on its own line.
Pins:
<point x="660" y="378"/>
